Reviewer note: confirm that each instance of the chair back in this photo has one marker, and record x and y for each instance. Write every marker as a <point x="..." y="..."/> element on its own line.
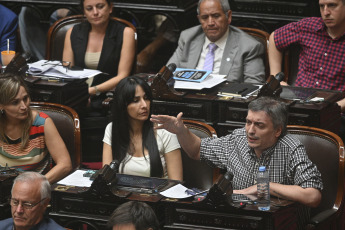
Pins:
<point x="198" y="174"/>
<point x="290" y="64"/>
<point x="67" y="123"/>
<point x="326" y="150"/>
<point x="262" y="37"/>
<point x="57" y="32"/>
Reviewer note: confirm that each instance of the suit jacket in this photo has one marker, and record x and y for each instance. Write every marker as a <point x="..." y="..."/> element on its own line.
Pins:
<point x="45" y="224"/>
<point x="242" y="59"/>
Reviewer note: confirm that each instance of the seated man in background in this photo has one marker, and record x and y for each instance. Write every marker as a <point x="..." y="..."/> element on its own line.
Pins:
<point x="29" y="201"/>
<point x="263" y="142"/>
<point x="216" y="46"/>
<point x="322" y="43"/>
<point x="8" y="29"/>
<point x="133" y="215"/>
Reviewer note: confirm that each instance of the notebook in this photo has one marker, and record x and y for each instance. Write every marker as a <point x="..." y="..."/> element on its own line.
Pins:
<point x="237" y="89"/>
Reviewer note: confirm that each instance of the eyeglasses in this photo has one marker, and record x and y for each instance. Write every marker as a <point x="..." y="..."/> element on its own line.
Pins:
<point x="65" y="64"/>
<point x="25" y="205"/>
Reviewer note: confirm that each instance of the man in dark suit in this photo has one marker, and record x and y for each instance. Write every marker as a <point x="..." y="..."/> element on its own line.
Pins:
<point x="237" y="54"/>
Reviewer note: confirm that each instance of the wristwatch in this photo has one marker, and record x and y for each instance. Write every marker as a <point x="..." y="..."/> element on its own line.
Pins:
<point x="97" y="91"/>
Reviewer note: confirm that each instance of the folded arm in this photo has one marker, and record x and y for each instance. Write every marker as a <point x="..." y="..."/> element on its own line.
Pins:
<point x="308" y="196"/>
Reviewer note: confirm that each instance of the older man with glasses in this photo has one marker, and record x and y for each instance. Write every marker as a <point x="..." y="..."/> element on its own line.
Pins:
<point x="30" y="198"/>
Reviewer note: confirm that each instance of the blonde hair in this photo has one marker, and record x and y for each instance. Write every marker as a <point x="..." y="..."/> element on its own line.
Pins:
<point x="9" y="88"/>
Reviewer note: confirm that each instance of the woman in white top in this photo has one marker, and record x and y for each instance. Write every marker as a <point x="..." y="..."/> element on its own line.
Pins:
<point x="131" y="139"/>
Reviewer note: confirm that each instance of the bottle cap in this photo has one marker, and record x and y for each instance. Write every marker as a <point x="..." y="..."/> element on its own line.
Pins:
<point x="262" y="169"/>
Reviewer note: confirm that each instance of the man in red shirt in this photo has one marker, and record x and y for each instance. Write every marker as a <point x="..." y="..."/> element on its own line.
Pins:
<point x="322" y="43"/>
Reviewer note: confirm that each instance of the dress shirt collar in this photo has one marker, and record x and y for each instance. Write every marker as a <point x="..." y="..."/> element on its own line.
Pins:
<point x="220" y="43"/>
<point x="323" y="28"/>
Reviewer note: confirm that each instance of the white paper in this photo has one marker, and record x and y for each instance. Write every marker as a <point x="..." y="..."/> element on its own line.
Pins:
<point x="76" y="179"/>
<point x="178" y="191"/>
<point x="209" y="82"/>
<point x="55" y="69"/>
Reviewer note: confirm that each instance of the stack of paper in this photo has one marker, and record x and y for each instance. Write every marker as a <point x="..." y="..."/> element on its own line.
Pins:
<point x="55" y="69"/>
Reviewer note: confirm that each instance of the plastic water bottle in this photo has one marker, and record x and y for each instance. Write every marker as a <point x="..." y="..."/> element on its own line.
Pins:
<point x="263" y="185"/>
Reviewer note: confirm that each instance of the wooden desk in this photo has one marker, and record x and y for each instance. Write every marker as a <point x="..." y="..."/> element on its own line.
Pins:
<point x="186" y="215"/>
<point x="226" y="114"/>
<point x="70" y="208"/>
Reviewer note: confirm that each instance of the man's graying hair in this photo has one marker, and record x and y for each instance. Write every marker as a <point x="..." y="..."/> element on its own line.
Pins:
<point x="225" y="5"/>
<point x="29" y="177"/>
<point x="274" y="108"/>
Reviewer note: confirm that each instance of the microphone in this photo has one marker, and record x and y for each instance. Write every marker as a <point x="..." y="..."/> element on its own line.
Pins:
<point x="114" y="165"/>
<point x="280" y="76"/>
<point x="272" y="86"/>
<point x="172" y="67"/>
<point x="18" y="64"/>
<point x="225" y="183"/>
<point x="166" y="72"/>
<point x="163" y="83"/>
<point x="220" y="193"/>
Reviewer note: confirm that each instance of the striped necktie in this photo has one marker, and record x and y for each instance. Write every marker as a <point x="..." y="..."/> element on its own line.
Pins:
<point x="208" y="65"/>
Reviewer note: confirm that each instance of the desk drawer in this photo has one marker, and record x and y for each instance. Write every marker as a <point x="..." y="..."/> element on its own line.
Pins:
<point x="203" y="111"/>
<point x="180" y="218"/>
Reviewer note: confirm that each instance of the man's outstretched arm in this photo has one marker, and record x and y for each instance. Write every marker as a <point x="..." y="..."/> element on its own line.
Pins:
<point x="188" y="141"/>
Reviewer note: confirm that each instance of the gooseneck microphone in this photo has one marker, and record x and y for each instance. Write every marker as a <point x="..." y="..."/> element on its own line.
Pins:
<point x="172" y="67"/>
<point x="163" y="83"/>
<point x="279" y="76"/>
<point x="114" y="165"/>
<point x="166" y="72"/>
<point x="272" y="86"/>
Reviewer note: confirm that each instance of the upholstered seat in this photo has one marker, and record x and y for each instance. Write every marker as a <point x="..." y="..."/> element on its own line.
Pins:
<point x="326" y="150"/>
<point x="57" y="32"/>
<point x="198" y="174"/>
<point x="67" y="123"/>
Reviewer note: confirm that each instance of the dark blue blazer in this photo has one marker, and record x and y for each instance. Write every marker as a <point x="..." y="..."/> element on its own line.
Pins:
<point x="45" y="224"/>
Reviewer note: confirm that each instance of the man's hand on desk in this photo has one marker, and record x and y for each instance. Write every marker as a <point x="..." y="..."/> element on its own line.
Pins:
<point x="252" y="190"/>
<point x="284" y="83"/>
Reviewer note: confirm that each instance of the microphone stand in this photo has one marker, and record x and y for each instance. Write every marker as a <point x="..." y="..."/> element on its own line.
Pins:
<point x="272" y="87"/>
<point x="163" y="84"/>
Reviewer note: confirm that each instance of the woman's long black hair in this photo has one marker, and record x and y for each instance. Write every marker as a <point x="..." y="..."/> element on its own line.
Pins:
<point x="123" y="96"/>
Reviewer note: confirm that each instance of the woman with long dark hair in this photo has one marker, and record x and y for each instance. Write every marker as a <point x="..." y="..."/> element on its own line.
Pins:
<point x="131" y="139"/>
